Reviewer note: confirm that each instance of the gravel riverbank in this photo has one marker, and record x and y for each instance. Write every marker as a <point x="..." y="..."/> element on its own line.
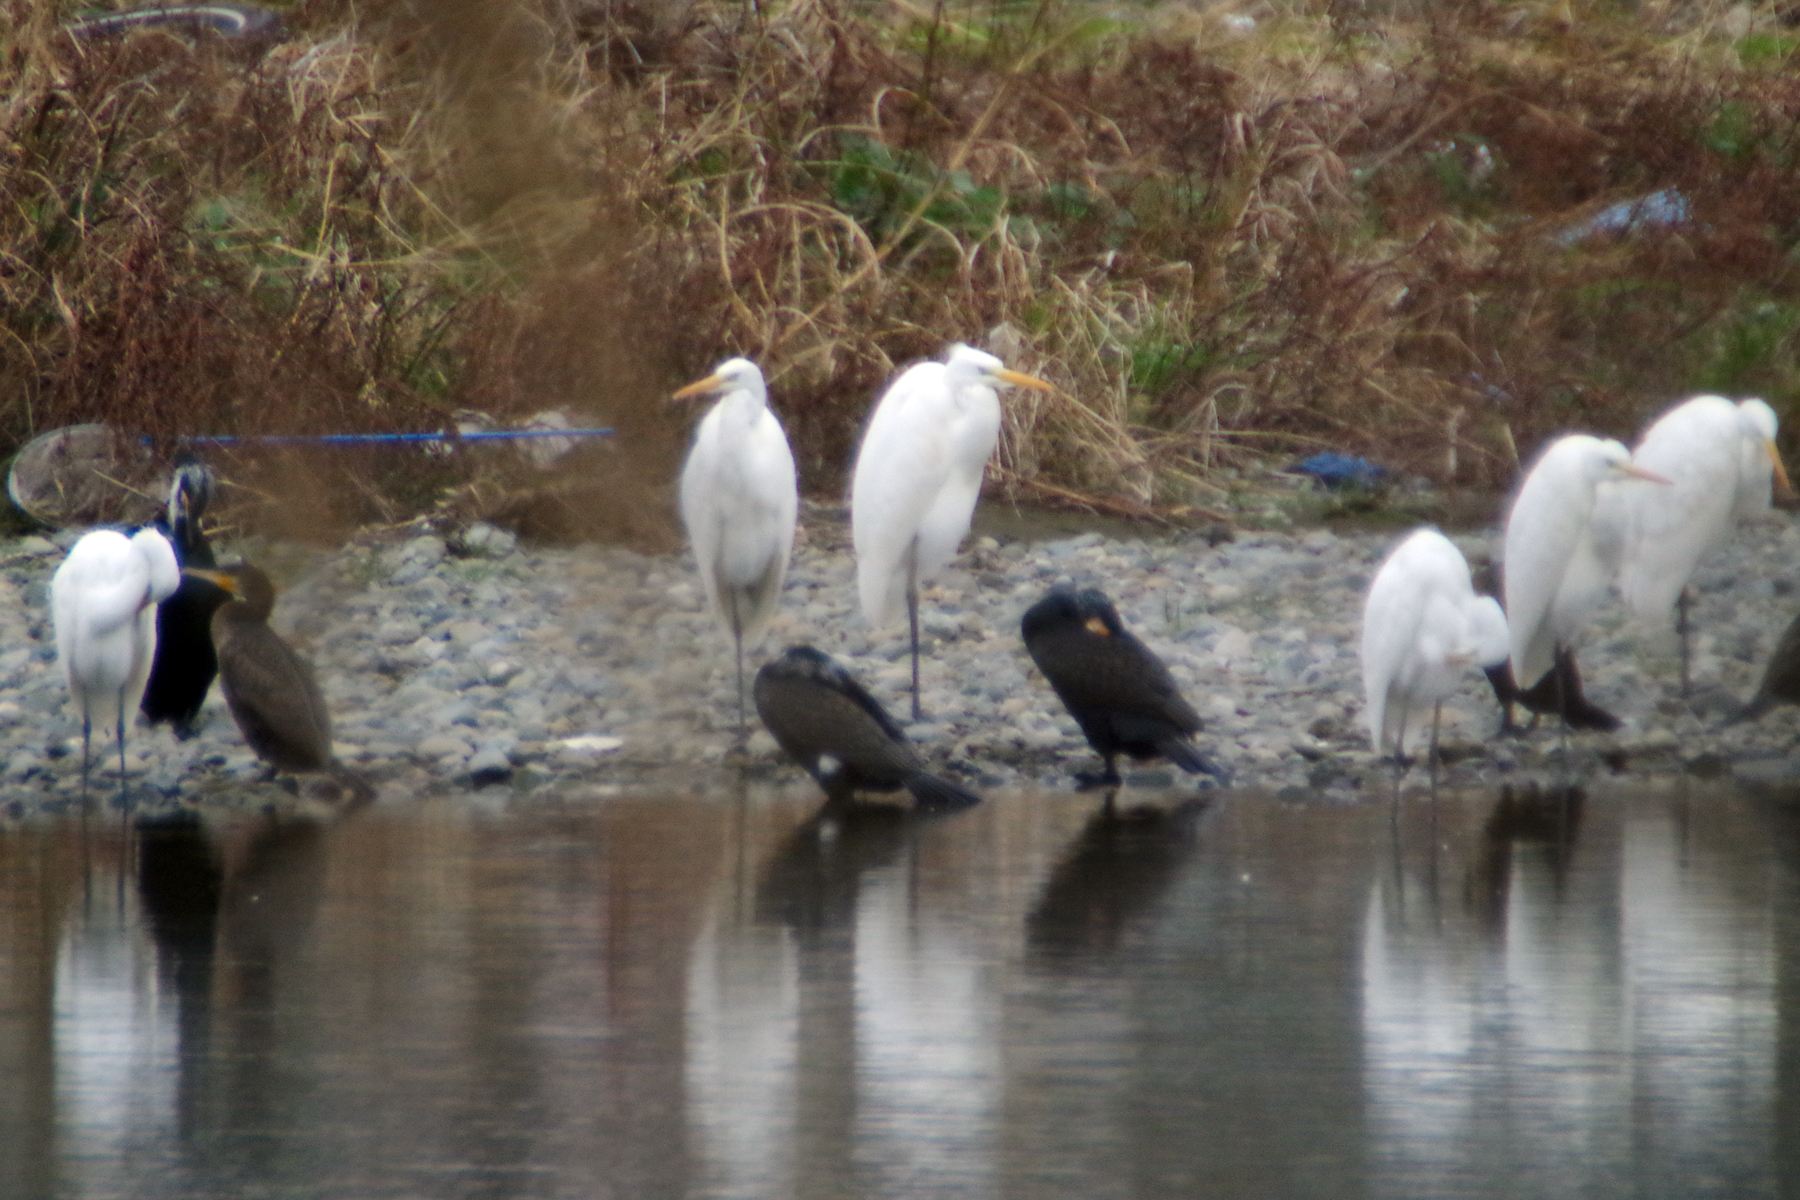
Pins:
<point x="485" y="663"/>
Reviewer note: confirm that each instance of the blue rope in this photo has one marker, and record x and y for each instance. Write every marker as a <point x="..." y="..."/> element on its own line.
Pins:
<point x="342" y="439"/>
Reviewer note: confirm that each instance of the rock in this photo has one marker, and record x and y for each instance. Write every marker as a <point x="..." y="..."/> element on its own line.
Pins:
<point x="489" y="766"/>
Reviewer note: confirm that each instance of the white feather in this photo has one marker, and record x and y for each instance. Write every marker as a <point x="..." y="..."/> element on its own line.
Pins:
<point x="1555" y="570"/>
<point x="1717" y="457"/>
<point x="1423" y="627"/>
<point x="103" y="608"/>
<point x="739" y="501"/>
<point x="918" y="475"/>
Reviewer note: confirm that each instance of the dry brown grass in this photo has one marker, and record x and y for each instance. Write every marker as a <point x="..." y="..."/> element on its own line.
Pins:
<point x="1344" y="227"/>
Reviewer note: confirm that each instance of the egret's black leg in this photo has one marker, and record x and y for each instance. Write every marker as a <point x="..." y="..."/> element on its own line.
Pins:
<point x="912" y="621"/>
<point x="1431" y="756"/>
<point x="1683" y="602"/>
<point x="87" y="754"/>
<point x="737" y="643"/>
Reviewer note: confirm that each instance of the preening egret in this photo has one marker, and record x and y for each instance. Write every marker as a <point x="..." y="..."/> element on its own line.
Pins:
<point x="1558" y="692"/>
<point x="1423" y="628"/>
<point x="272" y="691"/>
<point x="103" y="607"/>
<point x="1555" y="575"/>
<point x="917" y="478"/>
<point x="739" y="500"/>
<point x="1721" y="461"/>
<point x="1115" y="687"/>
<point x="185" y="664"/>
<point x="1781" y="678"/>
<point x="825" y="721"/>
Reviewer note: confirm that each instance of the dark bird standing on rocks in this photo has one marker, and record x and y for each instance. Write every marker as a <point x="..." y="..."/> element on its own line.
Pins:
<point x="272" y="691"/>
<point x="825" y="721"/>
<point x="1558" y="693"/>
<point x="185" y="664"/>
<point x="1115" y="687"/>
<point x="1781" y="678"/>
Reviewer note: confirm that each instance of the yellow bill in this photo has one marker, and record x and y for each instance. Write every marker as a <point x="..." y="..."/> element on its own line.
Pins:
<point x="1019" y="379"/>
<point x="216" y="578"/>
<point x="699" y="387"/>
<point x="1781" y="475"/>
<point x="1648" y="476"/>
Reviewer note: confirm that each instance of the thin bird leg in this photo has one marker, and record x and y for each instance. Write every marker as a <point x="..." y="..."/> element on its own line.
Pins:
<point x="1431" y="757"/>
<point x="1562" y="704"/>
<point x="912" y="621"/>
<point x="737" y="642"/>
<point x="124" y="792"/>
<point x="87" y="755"/>
<point x="1683" y="601"/>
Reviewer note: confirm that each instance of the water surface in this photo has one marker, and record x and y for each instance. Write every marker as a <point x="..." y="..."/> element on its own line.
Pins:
<point x="1522" y="994"/>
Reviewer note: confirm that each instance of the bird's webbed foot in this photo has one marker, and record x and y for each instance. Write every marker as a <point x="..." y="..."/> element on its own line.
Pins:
<point x="1092" y="781"/>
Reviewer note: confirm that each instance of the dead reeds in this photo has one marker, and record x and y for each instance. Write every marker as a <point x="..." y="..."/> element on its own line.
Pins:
<point x="1228" y="234"/>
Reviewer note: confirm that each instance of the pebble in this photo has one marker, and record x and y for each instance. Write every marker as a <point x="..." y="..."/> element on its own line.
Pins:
<point x="473" y="657"/>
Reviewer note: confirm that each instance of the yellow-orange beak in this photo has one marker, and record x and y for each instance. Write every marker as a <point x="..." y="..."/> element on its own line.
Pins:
<point x="1096" y="625"/>
<point x="1781" y="475"/>
<point x="216" y="578"/>
<point x="1019" y="379"/>
<point x="1637" y="472"/>
<point x="699" y="387"/>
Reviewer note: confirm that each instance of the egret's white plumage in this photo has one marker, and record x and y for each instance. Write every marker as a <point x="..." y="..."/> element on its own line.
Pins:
<point x="1423" y="628"/>
<point x="918" y="474"/>
<point x="1555" y="571"/>
<point x="103" y="602"/>
<point x="1720" y="459"/>
<point x="739" y="500"/>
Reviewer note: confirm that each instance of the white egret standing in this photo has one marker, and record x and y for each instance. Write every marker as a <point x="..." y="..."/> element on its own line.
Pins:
<point x="739" y="500"/>
<point x="1720" y="458"/>
<point x="917" y="478"/>
<point x="1423" y="627"/>
<point x="1554" y="573"/>
<point x="103" y="602"/>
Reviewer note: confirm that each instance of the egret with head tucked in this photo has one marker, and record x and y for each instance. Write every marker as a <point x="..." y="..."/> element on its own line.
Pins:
<point x="1423" y="628"/>
<point x="103" y="602"/>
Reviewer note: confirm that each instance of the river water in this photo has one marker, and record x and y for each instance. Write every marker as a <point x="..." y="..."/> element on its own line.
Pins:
<point x="1533" y="993"/>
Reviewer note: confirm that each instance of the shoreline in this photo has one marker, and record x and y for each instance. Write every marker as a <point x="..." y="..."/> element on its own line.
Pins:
<point x="527" y="670"/>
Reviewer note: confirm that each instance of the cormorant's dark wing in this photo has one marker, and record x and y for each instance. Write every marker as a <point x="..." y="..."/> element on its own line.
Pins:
<point x="275" y="698"/>
<point x="1115" y="672"/>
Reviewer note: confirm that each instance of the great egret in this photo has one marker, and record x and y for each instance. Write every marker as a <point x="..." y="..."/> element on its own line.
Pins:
<point x="825" y="721"/>
<point x="739" y="500"/>
<point x="185" y="664"/>
<point x="1423" y="627"/>
<point x="1115" y="687"/>
<point x="1721" y="461"/>
<point x="1555" y="575"/>
<point x="103" y="608"/>
<point x="1781" y="678"/>
<point x="272" y="691"/>
<point x="917" y="478"/>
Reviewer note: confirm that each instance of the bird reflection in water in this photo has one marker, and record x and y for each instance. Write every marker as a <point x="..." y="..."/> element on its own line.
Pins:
<point x="1545" y="819"/>
<point x="1114" y="873"/>
<point x="811" y="883"/>
<point x="225" y="906"/>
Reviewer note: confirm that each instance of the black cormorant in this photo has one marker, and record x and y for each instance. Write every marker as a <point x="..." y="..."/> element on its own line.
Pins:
<point x="1115" y="687"/>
